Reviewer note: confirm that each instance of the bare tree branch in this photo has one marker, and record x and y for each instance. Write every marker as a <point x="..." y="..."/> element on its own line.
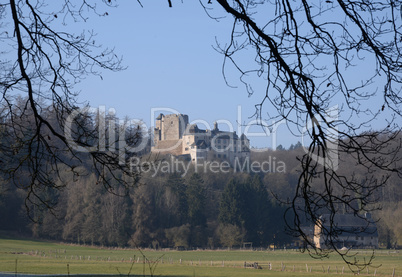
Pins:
<point x="305" y="51"/>
<point x="48" y="64"/>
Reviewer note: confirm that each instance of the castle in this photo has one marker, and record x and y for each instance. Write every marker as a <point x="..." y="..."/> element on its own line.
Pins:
<point x="174" y="135"/>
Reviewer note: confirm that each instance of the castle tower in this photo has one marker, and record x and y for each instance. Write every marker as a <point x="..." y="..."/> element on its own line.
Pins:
<point x="168" y="133"/>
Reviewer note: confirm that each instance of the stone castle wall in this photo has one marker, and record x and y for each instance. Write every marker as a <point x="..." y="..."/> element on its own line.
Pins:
<point x="173" y="147"/>
<point x="174" y="135"/>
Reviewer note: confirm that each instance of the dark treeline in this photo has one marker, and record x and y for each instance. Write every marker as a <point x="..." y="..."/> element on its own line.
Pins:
<point x="174" y="203"/>
<point x="173" y="209"/>
<point x="166" y="210"/>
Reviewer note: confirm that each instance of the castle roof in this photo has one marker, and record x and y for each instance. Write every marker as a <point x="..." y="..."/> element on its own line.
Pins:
<point x="193" y="129"/>
<point x="350" y="224"/>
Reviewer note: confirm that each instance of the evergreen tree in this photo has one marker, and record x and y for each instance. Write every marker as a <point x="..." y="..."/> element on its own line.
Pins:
<point x="196" y="200"/>
<point x="247" y="206"/>
<point x="259" y="210"/>
<point x="196" y="206"/>
<point x="232" y="204"/>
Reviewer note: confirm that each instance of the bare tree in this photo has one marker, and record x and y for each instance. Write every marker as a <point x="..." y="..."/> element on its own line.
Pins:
<point x="42" y="127"/>
<point x="310" y="56"/>
<point x="321" y="61"/>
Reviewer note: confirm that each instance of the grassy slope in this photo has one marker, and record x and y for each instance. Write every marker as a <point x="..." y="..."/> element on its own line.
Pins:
<point x="30" y="256"/>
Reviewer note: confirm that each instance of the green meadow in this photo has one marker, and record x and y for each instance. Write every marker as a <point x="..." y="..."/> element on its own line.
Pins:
<point x="39" y="257"/>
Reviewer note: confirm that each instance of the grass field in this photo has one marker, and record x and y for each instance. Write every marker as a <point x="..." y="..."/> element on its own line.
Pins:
<point x="38" y="257"/>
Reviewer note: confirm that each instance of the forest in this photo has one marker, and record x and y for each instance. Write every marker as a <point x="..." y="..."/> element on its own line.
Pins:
<point x="175" y="209"/>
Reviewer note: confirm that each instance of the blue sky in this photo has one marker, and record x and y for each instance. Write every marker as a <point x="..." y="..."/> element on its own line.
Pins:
<point x="173" y="67"/>
<point x="171" y="64"/>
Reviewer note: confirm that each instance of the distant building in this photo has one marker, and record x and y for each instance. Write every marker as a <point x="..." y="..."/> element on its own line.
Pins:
<point x="174" y="135"/>
<point x="351" y="231"/>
